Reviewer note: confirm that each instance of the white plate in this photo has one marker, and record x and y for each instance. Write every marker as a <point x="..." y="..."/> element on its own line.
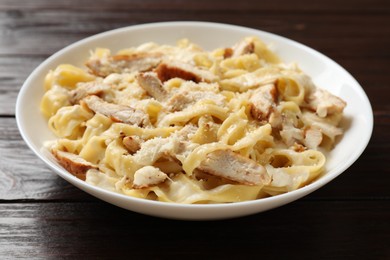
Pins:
<point x="326" y="73"/>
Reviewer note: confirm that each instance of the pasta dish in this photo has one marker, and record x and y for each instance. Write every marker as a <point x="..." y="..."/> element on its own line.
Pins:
<point x="181" y="124"/>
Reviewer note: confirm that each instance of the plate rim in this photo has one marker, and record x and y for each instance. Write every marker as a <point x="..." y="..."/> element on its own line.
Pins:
<point x="292" y="195"/>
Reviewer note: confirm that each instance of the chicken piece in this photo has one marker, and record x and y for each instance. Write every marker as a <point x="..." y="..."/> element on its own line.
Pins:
<point x="243" y="47"/>
<point x="154" y="149"/>
<point x="324" y="103"/>
<point x="89" y="88"/>
<point x="262" y="101"/>
<point x="235" y="167"/>
<point x="327" y="125"/>
<point x="152" y="85"/>
<point x="124" y="63"/>
<point x="73" y="163"/>
<point x="275" y="119"/>
<point x="227" y="53"/>
<point x="176" y="69"/>
<point x="291" y="135"/>
<point x="132" y="143"/>
<point x="313" y="137"/>
<point x="148" y="176"/>
<point x="184" y="99"/>
<point x="179" y="101"/>
<point x="117" y="113"/>
<point x="169" y="148"/>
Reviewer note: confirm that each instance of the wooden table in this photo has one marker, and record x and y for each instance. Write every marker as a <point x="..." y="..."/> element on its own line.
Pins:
<point x="42" y="216"/>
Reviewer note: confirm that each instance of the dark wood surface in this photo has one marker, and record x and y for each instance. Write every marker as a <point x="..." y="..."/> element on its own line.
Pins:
<point x="42" y="216"/>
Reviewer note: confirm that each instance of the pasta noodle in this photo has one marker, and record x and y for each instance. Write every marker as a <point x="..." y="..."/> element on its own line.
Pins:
<point x="181" y="124"/>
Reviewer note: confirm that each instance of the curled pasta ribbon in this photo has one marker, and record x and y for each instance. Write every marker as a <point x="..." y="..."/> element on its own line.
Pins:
<point x="69" y="121"/>
<point x="55" y="98"/>
<point x="290" y="90"/>
<point x="233" y="128"/>
<point x="291" y="170"/>
<point x="119" y="160"/>
<point x="94" y="150"/>
<point x="145" y="133"/>
<point x="246" y="144"/>
<point x="184" y="190"/>
<point x="66" y="76"/>
<point x="258" y="78"/>
<point x="233" y="67"/>
<point x="95" y="126"/>
<point x="182" y="117"/>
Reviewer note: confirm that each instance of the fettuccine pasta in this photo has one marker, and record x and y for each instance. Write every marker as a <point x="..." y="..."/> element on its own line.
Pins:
<point x="184" y="125"/>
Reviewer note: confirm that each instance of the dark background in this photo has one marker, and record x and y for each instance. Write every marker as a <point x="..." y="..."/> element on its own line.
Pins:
<point x="42" y="216"/>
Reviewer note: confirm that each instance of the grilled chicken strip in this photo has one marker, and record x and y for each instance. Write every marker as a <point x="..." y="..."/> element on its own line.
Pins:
<point x="187" y="98"/>
<point x="123" y="63"/>
<point x="325" y="103"/>
<point x="243" y="47"/>
<point x="148" y="176"/>
<point x="313" y="137"/>
<point x="118" y="113"/>
<point x="73" y="163"/>
<point x="230" y="165"/>
<point x="152" y="85"/>
<point x="89" y="88"/>
<point x="262" y="101"/>
<point x="176" y="69"/>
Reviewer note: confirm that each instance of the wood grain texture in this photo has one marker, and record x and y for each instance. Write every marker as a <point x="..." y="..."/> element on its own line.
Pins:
<point x="332" y="6"/>
<point x="95" y="230"/>
<point x="23" y="175"/>
<point x="14" y="70"/>
<point x="50" y="25"/>
<point x="50" y="30"/>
